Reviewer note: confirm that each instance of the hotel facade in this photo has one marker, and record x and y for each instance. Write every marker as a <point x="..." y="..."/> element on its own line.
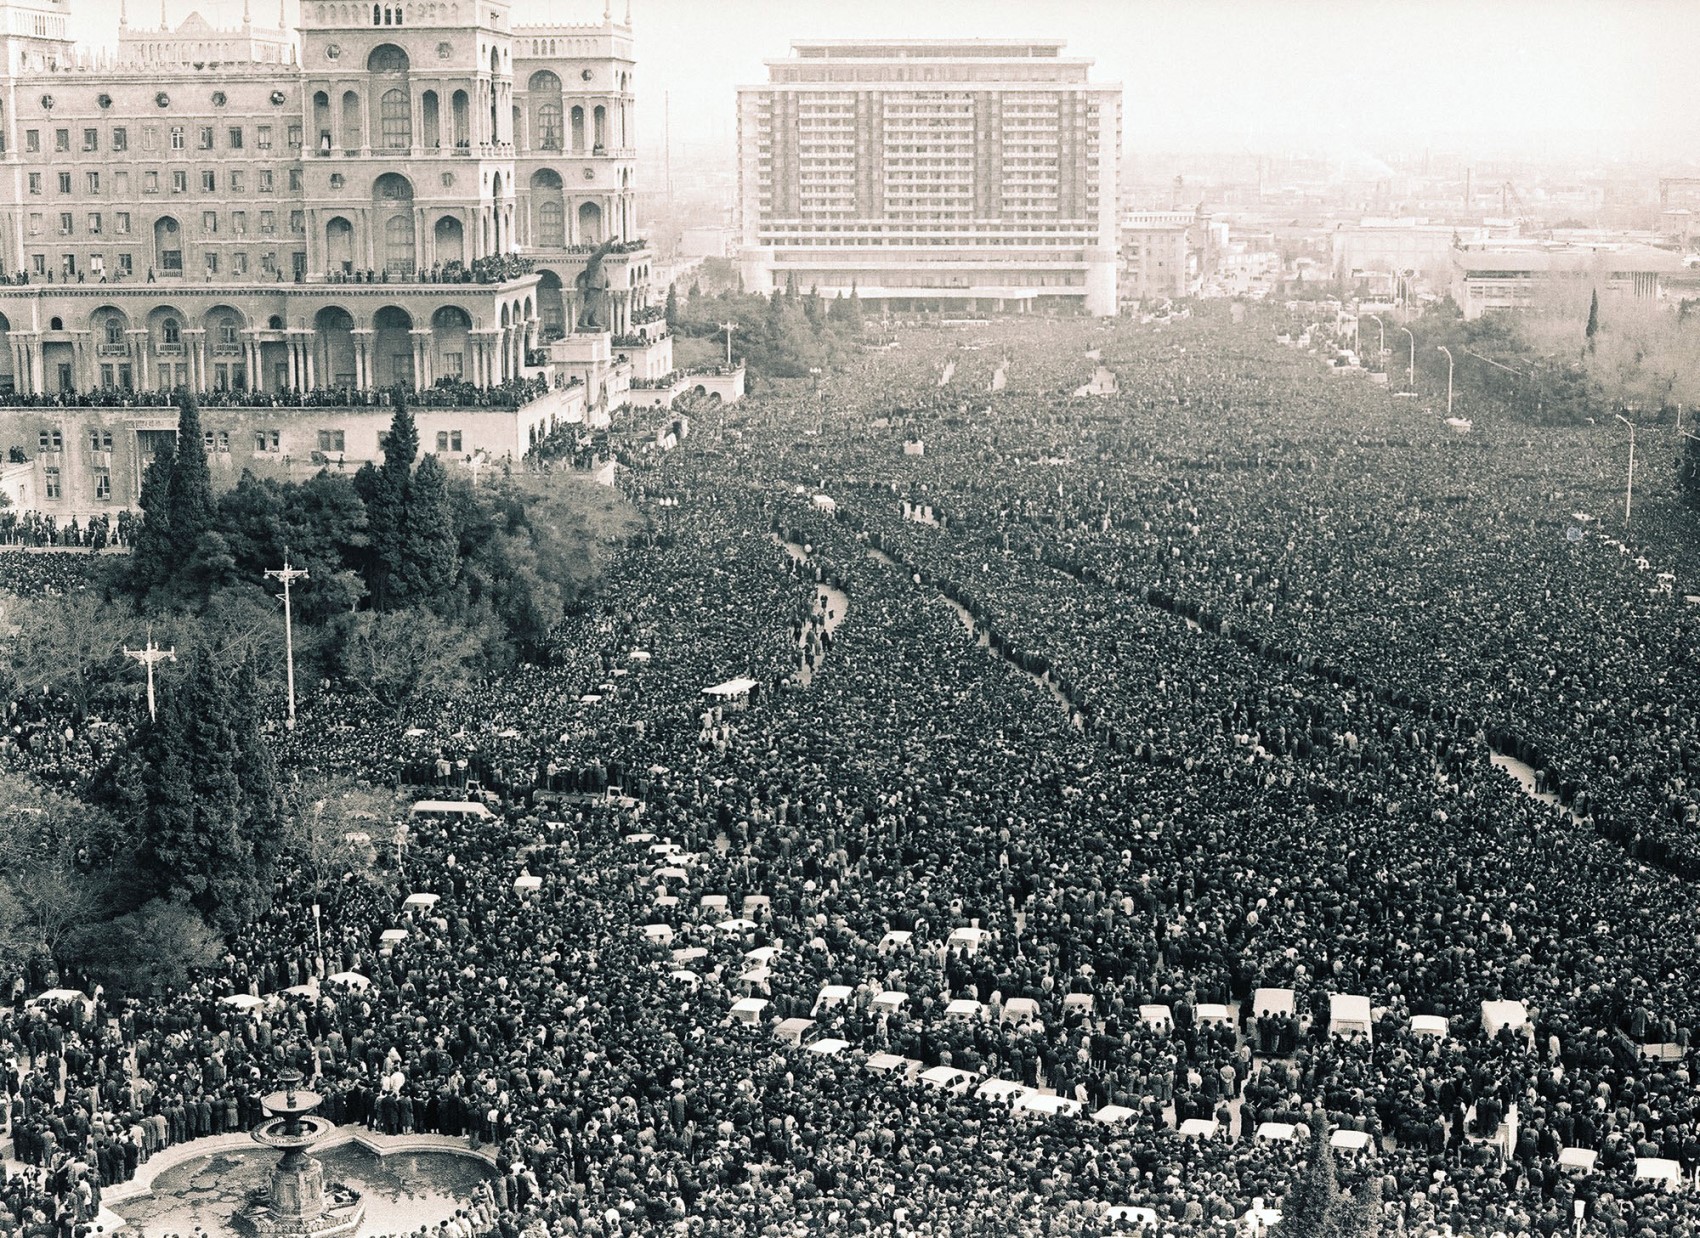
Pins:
<point x="966" y="175"/>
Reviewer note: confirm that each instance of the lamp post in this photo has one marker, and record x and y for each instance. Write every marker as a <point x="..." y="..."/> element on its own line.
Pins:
<point x="319" y="937"/>
<point x="288" y="575"/>
<point x="1413" y="371"/>
<point x="1443" y="348"/>
<point x="1629" y="486"/>
<point x="147" y="656"/>
<point x="728" y="327"/>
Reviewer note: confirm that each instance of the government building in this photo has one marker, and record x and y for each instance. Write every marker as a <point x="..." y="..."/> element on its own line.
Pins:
<point x="961" y="175"/>
<point x="408" y="192"/>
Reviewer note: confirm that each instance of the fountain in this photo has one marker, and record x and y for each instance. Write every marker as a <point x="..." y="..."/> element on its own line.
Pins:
<point x="297" y="1202"/>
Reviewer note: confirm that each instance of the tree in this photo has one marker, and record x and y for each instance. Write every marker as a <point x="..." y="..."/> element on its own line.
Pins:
<point x="157" y="947"/>
<point x="672" y="306"/>
<point x="1593" y="327"/>
<point x="189" y="496"/>
<point x="75" y="645"/>
<point x="1317" y="1208"/>
<point x="430" y="547"/>
<point x="1688" y="472"/>
<point x="398" y="656"/>
<point x="184" y="780"/>
<point x="54" y="851"/>
<point x="154" y="557"/>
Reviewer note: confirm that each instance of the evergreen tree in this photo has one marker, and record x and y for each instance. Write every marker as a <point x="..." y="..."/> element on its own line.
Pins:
<point x="189" y="496"/>
<point x="401" y="444"/>
<point x="430" y="546"/>
<point x="1311" y="1209"/>
<point x="672" y="306"/>
<point x="384" y="513"/>
<point x="1688" y="472"/>
<point x="385" y="492"/>
<point x="200" y="821"/>
<point x="153" y="557"/>
<point x="1593" y="327"/>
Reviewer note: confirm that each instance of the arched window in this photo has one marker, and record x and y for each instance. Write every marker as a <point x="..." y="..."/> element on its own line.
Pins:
<point x="396" y="120"/>
<point x="227" y="328"/>
<point x="377" y="15"/>
<point x="170" y="331"/>
<point x="551" y="225"/>
<point x="114" y="332"/>
<point x="398" y="244"/>
<point x="549" y="127"/>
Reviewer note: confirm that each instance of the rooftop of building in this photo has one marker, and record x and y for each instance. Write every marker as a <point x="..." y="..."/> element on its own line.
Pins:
<point x="1546" y="256"/>
<point x="926" y="49"/>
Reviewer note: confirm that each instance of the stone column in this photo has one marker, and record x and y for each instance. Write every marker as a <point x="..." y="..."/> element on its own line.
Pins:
<point x="424" y="372"/>
<point x="312" y="369"/>
<point x="294" y="363"/>
<point x="139" y="350"/>
<point x="362" y="358"/>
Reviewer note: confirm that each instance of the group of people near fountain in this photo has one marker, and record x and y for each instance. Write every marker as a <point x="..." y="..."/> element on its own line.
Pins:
<point x="1291" y="617"/>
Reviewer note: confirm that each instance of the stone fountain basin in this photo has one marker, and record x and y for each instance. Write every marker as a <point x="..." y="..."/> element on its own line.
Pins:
<point x="403" y="1183"/>
<point x="275" y="1133"/>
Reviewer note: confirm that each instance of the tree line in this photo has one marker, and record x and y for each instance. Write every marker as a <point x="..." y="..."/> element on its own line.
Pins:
<point x="784" y="335"/>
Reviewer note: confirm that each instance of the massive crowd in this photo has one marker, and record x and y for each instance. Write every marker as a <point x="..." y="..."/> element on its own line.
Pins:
<point x="1291" y="620"/>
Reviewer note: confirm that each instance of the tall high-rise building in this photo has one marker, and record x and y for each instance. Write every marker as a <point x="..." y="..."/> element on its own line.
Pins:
<point x="964" y="174"/>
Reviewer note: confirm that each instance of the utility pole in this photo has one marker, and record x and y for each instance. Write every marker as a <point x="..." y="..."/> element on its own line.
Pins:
<point x="728" y="327"/>
<point x="1443" y="348"/>
<point x="147" y="657"/>
<point x="288" y="575"/>
<point x="1629" y="486"/>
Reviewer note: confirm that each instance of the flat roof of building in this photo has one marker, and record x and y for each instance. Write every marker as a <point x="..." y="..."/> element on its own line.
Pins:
<point x="901" y="49"/>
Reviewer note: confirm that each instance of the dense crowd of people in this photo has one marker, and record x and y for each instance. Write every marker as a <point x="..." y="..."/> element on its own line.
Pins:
<point x="444" y="393"/>
<point x="1065" y="744"/>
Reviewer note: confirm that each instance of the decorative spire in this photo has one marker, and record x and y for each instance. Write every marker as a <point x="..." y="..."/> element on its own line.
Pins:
<point x="247" y="16"/>
<point x="163" y="25"/>
<point x="607" y="11"/>
<point x="282" y="21"/>
<point x="628" y="14"/>
<point x="123" y="14"/>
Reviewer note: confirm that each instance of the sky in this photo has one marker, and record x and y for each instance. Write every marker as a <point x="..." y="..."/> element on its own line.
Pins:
<point x="1536" y="79"/>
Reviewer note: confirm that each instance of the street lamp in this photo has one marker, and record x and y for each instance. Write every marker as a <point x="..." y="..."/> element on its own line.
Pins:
<point x="1413" y="371"/>
<point x="1629" y="487"/>
<point x="1443" y="348"/>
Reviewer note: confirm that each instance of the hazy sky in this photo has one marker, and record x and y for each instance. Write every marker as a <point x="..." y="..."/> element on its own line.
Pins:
<point x="1596" y="78"/>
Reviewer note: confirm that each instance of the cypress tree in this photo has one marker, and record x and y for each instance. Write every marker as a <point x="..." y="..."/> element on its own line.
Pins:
<point x="153" y="556"/>
<point x="199" y="821"/>
<point x="1593" y="327"/>
<point x="672" y="306"/>
<point x="189" y="495"/>
<point x="429" y="544"/>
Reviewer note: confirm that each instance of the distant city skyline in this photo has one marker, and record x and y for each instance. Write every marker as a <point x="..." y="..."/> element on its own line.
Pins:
<point x="1559" y="80"/>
